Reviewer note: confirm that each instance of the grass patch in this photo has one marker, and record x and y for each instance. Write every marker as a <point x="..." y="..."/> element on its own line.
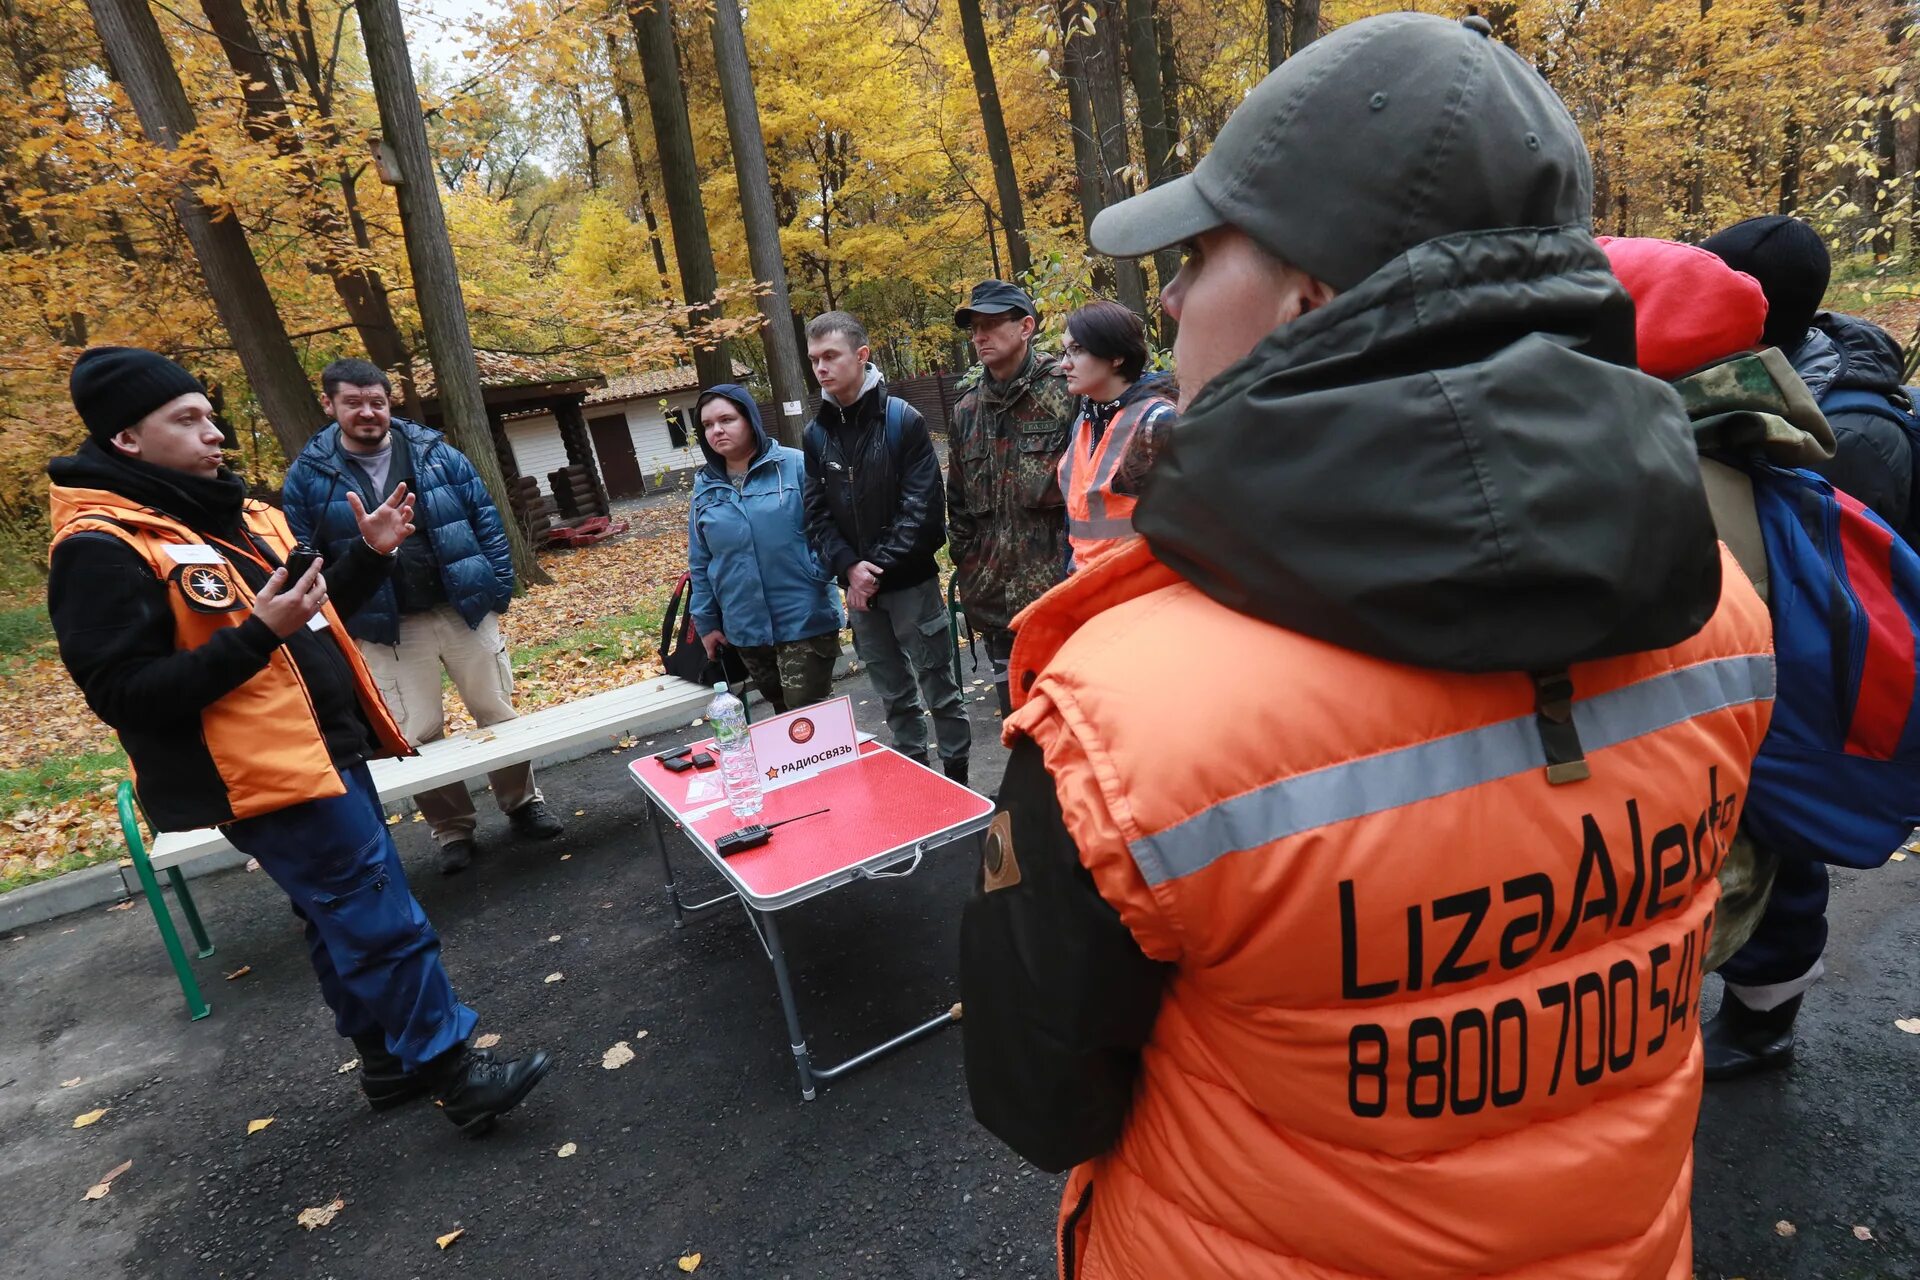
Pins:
<point x="619" y="638"/>
<point x="56" y="782"/>
<point x="24" y="629"/>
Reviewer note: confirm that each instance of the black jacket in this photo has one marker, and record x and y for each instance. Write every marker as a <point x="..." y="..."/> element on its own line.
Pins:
<point x="116" y="634"/>
<point x="873" y="494"/>
<point x="1873" y="456"/>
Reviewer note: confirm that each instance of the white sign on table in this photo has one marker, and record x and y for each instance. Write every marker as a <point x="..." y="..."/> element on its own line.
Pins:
<point x="803" y="743"/>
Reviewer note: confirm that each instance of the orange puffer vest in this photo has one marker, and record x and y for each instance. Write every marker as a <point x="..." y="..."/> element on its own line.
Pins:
<point x="1432" y="1014"/>
<point x="262" y="738"/>
<point x="1098" y="519"/>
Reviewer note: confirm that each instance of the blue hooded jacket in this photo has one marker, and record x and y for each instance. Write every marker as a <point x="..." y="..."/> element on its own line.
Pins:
<point x="452" y="510"/>
<point x="755" y="575"/>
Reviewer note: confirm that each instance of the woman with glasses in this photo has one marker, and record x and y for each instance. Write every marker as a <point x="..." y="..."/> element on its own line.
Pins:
<point x="1124" y="416"/>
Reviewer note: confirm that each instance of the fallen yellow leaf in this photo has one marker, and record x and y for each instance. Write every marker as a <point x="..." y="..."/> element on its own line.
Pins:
<point x="68" y="1084"/>
<point x="565" y="856"/>
<point x="1785" y="1228"/>
<point x="556" y="977"/>
<point x="347" y="1066"/>
<point x="320" y="1215"/>
<point x="241" y="972"/>
<point x="255" y="1126"/>
<point x="82" y="1121"/>
<point x="122" y="906"/>
<point x="566" y="1150"/>
<point x="1899" y="855"/>
<point x="450" y="1237"/>
<point x="553" y="938"/>
<point x="105" y="1184"/>
<point x="393" y="819"/>
<point x="1909" y="1025"/>
<point x="579" y="813"/>
<point x="690" y="1262"/>
<point x="1861" y="1233"/>
<point x="486" y="1041"/>
<point x="640" y="1035"/>
<point x="618" y="1056"/>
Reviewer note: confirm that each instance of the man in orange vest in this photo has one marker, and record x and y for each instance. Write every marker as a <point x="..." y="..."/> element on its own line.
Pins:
<point x="1357" y="858"/>
<point x="242" y="704"/>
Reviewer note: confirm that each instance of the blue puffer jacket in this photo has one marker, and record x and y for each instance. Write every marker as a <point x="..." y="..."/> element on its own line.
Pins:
<point x="451" y="508"/>
<point x="755" y="576"/>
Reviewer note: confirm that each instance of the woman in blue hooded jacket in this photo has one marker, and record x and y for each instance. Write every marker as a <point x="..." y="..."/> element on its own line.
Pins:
<point x="756" y="583"/>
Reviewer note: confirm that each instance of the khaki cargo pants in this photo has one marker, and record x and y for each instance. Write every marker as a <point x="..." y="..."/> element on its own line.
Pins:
<point x="408" y="675"/>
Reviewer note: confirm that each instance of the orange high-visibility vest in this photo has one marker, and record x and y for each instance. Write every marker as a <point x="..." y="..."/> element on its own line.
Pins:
<point x="262" y="738"/>
<point x="1098" y="519"/>
<point x="1432" y="1014"/>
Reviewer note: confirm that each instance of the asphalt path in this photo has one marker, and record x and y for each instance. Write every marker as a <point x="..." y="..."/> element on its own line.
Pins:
<point x="701" y="1144"/>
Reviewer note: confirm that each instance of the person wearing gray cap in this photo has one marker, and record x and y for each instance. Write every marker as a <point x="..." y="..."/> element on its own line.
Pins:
<point x="1346" y="908"/>
<point x="1007" y="518"/>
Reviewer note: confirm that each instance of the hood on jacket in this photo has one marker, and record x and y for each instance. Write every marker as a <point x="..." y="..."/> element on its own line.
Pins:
<point x="325" y="449"/>
<point x="737" y="396"/>
<point x="1453" y="465"/>
<point x="1843" y="352"/>
<point x="1690" y="309"/>
<point x="1151" y="384"/>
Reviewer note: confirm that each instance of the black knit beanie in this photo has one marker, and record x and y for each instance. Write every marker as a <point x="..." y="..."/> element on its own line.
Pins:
<point x="115" y="387"/>
<point x="1791" y="263"/>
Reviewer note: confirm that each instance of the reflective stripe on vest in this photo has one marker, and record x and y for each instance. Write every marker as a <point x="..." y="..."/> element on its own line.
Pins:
<point x="1096" y="515"/>
<point x="1428" y="770"/>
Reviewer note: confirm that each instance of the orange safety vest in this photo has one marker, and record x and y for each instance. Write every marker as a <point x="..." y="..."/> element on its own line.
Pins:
<point x="262" y="738"/>
<point x="1432" y="1015"/>
<point x="1098" y="519"/>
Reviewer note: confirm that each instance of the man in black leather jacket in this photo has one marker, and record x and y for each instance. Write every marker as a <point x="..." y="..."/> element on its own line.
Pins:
<point x="876" y="514"/>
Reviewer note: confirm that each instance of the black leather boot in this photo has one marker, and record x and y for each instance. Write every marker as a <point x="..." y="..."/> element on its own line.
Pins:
<point x="1740" y="1041"/>
<point x="956" y="770"/>
<point x="385" y="1082"/>
<point x="474" y="1088"/>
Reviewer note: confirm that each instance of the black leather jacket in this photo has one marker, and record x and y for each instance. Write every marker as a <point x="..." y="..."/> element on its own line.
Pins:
<point x="874" y="494"/>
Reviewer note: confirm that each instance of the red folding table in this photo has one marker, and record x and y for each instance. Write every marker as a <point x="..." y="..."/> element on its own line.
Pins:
<point x="884" y="812"/>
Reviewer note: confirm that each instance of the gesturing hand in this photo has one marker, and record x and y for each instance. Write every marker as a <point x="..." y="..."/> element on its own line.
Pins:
<point x="286" y="608"/>
<point x="387" y="525"/>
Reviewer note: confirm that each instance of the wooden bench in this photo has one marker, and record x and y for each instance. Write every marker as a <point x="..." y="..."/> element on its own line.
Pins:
<point x="652" y="706"/>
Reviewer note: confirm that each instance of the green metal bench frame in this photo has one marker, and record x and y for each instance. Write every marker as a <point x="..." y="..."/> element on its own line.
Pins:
<point x="197" y="1006"/>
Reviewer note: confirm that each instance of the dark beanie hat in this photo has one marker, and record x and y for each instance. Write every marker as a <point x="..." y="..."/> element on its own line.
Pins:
<point x="1790" y="261"/>
<point x="115" y="387"/>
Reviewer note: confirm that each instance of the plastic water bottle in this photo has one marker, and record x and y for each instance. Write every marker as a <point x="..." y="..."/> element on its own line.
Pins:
<point x="739" y="771"/>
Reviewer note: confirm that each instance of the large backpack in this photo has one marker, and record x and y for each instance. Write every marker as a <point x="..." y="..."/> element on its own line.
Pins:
<point x="1838" y="776"/>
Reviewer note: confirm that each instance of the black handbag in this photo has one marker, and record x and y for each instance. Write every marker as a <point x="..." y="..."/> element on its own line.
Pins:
<point x="681" y="652"/>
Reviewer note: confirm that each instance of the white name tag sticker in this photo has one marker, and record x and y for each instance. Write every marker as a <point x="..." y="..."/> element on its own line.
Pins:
<point x="194" y="553"/>
<point x="318" y="622"/>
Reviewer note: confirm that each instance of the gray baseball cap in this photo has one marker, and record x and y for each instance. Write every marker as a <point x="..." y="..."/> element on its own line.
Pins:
<point x="1387" y="133"/>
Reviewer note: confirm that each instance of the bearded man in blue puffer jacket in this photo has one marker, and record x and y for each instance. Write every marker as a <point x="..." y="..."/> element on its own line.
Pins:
<point x="440" y="609"/>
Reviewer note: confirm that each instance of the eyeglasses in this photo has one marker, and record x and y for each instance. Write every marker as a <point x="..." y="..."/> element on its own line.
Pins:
<point x="988" y="323"/>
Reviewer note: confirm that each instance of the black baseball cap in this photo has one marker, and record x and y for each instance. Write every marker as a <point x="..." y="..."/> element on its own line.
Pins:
<point x="1385" y="134"/>
<point x="991" y="297"/>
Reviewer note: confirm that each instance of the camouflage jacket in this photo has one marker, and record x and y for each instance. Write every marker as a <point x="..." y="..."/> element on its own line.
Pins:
<point x="1007" y="520"/>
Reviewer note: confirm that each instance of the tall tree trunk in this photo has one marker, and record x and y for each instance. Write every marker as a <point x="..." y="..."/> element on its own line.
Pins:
<point x="361" y="290"/>
<point x="622" y="92"/>
<point x="673" y="137"/>
<point x="140" y="59"/>
<point x="1306" y="24"/>
<point x="1006" y="181"/>
<point x="1170" y="84"/>
<point x="1156" y="139"/>
<point x="436" y="277"/>
<point x="763" y="226"/>
<point x="1696" y="163"/>
<point x="1115" y="151"/>
<point x="1887" y="148"/>
<point x="1089" y="182"/>
<point x="1277" y="19"/>
<point x="1790" y="164"/>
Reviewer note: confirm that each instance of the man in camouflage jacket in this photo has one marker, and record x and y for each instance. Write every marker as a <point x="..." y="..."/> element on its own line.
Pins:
<point x="1006" y="522"/>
